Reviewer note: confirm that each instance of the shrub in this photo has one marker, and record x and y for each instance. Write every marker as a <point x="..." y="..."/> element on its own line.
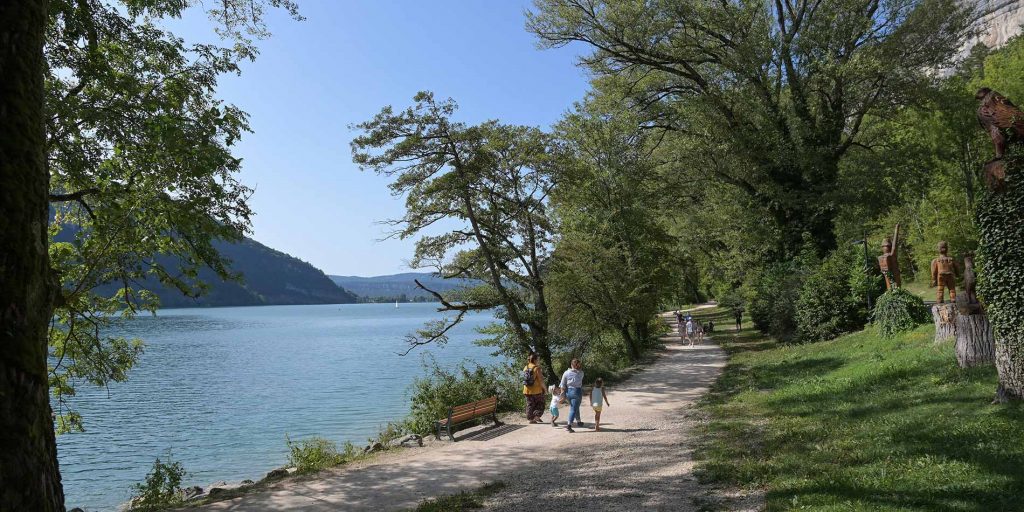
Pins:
<point x="773" y="304"/>
<point x="827" y="306"/>
<point x="390" y="432"/>
<point x="316" y="453"/>
<point x="440" y="389"/>
<point x="162" y="487"/>
<point x="897" y="311"/>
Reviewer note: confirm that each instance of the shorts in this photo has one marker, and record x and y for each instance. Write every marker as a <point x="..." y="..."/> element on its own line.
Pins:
<point x="597" y="407"/>
<point x="554" y="412"/>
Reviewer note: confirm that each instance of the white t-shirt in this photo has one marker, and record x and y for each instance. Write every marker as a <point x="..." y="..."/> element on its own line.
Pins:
<point x="555" y="400"/>
<point x="597" y="396"/>
<point x="689" y="326"/>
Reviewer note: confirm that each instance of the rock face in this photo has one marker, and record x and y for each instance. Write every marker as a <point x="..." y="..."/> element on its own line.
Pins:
<point x="999" y="21"/>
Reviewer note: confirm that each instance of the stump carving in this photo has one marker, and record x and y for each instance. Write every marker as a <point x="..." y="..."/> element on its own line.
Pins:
<point x="944" y="316"/>
<point x="975" y="343"/>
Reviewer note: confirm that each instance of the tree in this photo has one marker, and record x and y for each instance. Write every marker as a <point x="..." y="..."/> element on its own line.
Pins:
<point x="613" y="261"/>
<point x="29" y="478"/>
<point x="490" y="182"/>
<point x="1002" y="234"/>
<point x="113" y="121"/>
<point x="766" y="96"/>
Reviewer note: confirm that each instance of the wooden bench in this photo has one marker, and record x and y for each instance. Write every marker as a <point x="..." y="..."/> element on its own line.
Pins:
<point x="467" y="412"/>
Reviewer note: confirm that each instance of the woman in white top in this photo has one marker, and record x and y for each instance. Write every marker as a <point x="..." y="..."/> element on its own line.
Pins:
<point x="572" y="384"/>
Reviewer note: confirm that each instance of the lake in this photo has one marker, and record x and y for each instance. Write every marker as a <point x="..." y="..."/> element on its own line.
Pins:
<point x="220" y="388"/>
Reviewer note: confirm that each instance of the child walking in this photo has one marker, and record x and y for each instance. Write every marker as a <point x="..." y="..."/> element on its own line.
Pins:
<point x="556" y="399"/>
<point x="598" y="398"/>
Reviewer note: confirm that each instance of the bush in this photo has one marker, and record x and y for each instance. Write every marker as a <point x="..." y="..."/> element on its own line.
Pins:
<point x="316" y="453"/>
<point x="390" y="432"/>
<point x="828" y="306"/>
<point x="162" y="487"/>
<point x="898" y="311"/>
<point x="440" y="389"/>
<point x="773" y="304"/>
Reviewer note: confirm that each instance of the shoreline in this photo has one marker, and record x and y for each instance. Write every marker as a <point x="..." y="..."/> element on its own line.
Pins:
<point x="645" y="411"/>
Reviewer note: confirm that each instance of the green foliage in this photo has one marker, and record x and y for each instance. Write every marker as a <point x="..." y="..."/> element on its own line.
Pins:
<point x="440" y="389"/>
<point x="490" y="183"/>
<point x="861" y="423"/>
<point x="391" y="431"/>
<point x="1002" y="248"/>
<point x="745" y="94"/>
<point x="773" y="303"/>
<point x="316" y="453"/>
<point x="161" y="488"/>
<point x="614" y="261"/>
<point x="827" y="306"/>
<point x="465" y="500"/>
<point x="139" y="153"/>
<point x="899" y="311"/>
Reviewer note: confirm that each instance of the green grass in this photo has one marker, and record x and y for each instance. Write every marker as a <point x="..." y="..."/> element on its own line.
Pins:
<point x="861" y="423"/>
<point x="922" y="288"/>
<point x="465" y="500"/>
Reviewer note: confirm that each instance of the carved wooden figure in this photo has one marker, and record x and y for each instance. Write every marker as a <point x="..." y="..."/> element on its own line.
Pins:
<point x="944" y="274"/>
<point x="888" y="262"/>
<point x="1004" y="123"/>
<point x="970" y="280"/>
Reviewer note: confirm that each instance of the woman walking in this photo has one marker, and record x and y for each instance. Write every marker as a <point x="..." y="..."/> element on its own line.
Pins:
<point x="533" y="388"/>
<point x="572" y="383"/>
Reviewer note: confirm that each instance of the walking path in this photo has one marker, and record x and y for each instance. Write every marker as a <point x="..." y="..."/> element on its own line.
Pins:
<point x="641" y="459"/>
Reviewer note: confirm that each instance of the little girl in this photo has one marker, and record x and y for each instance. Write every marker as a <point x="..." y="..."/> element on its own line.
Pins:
<point x="556" y="398"/>
<point x="597" y="395"/>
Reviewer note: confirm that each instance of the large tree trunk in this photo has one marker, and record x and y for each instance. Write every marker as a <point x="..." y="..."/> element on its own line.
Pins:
<point x="544" y="351"/>
<point x="975" y="344"/>
<point x="627" y="339"/>
<point x="1002" y="245"/>
<point x="944" y="316"/>
<point x="29" y="477"/>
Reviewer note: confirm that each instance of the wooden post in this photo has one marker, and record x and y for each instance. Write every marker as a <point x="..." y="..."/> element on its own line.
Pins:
<point x="944" y="316"/>
<point x="975" y="343"/>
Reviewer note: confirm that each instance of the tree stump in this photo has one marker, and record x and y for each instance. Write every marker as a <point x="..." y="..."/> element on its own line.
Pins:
<point x="975" y="343"/>
<point x="945" y="322"/>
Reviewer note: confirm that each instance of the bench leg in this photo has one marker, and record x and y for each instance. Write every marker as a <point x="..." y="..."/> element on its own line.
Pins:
<point x="437" y="430"/>
<point x="450" y="436"/>
<point x="494" y="416"/>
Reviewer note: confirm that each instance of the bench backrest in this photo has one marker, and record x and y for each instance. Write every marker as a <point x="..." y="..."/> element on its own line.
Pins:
<point x="473" y="409"/>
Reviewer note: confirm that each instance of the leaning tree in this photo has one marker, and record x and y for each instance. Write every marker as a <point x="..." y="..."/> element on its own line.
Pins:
<point x="486" y="187"/>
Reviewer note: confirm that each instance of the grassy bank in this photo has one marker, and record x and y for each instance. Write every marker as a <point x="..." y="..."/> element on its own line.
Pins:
<point x="861" y="423"/>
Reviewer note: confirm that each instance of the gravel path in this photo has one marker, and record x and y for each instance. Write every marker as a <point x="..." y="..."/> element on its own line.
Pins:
<point x="641" y="459"/>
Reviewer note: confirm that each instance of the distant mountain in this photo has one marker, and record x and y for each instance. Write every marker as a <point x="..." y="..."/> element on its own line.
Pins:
<point x="398" y="286"/>
<point x="270" y="277"/>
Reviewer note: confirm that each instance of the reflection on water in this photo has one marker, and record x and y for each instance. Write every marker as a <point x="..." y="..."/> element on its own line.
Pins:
<point x="220" y="387"/>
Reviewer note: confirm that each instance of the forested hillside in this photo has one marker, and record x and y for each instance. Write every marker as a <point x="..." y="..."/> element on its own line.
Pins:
<point x="269" y="277"/>
<point x="397" y="286"/>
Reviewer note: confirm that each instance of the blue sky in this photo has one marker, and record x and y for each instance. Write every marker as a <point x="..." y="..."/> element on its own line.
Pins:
<point x="340" y="66"/>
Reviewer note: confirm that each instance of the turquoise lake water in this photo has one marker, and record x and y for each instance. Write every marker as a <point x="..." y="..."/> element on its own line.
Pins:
<point x="220" y="388"/>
